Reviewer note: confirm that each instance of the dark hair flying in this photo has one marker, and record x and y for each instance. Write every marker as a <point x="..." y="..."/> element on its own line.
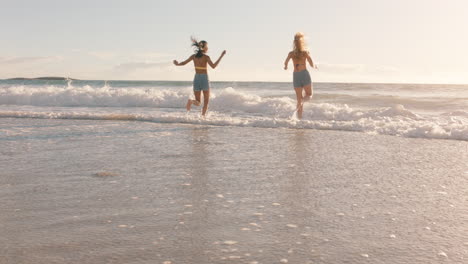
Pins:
<point x="199" y="46"/>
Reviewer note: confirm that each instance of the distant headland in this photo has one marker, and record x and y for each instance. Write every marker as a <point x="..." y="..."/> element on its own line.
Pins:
<point x="42" y="78"/>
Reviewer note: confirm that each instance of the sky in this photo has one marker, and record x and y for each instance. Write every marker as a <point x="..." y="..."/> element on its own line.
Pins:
<point x="398" y="41"/>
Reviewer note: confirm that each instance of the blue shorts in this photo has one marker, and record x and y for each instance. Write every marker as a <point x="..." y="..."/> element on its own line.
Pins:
<point x="301" y="79"/>
<point x="201" y="82"/>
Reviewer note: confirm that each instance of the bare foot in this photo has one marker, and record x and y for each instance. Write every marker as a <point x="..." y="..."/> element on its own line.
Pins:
<point x="189" y="105"/>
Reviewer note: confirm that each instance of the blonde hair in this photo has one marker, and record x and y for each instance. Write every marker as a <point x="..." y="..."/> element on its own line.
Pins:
<point x="299" y="45"/>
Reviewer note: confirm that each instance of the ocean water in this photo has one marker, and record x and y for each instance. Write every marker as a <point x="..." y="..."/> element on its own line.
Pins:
<point x="407" y="110"/>
<point x="118" y="172"/>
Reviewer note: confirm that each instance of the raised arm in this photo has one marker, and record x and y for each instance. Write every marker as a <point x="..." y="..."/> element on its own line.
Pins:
<point x="213" y="65"/>
<point x="287" y="60"/>
<point x="184" y="62"/>
<point x="309" y="59"/>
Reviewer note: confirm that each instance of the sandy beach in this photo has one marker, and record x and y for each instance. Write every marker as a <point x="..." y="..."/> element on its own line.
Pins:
<point x="234" y="132"/>
<point x="99" y="192"/>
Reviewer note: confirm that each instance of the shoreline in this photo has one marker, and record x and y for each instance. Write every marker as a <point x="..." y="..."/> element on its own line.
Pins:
<point x="127" y="192"/>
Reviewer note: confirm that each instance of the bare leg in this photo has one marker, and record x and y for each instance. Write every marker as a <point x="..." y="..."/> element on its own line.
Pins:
<point x="308" y="92"/>
<point x="196" y="102"/>
<point x="299" y="102"/>
<point x="206" y="99"/>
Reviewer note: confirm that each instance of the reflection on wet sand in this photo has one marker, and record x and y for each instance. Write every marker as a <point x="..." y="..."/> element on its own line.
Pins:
<point x="297" y="199"/>
<point x="203" y="194"/>
<point x="196" y="211"/>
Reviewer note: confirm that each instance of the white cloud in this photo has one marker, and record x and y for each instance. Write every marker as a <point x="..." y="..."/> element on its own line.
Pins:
<point x="103" y="55"/>
<point x="133" y="66"/>
<point x="357" y="68"/>
<point x="28" y="60"/>
<point x="153" y="55"/>
<point x="107" y="55"/>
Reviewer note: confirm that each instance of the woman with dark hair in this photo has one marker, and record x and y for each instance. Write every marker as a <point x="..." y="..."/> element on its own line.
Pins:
<point x="301" y="77"/>
<point x="201" y="81"/>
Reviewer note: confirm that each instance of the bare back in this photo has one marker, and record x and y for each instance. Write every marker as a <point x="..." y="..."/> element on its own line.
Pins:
<point x="201" y="64"/>
<point x="299" y="61"/>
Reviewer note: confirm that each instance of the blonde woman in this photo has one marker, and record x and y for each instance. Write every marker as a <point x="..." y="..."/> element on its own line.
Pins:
<point x="201" y="81"/>
<point x="301" y="77"/>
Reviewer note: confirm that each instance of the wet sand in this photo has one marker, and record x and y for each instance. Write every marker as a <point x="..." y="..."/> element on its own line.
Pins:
<point x="134" y="192"/>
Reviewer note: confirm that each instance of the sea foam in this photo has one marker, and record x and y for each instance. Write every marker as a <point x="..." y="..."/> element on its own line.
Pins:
<point x="228" y="107"/>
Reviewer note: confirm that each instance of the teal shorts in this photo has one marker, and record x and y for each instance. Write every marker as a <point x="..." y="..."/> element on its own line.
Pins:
<point x="301" y="79"/>
<point x="201" y="82"/>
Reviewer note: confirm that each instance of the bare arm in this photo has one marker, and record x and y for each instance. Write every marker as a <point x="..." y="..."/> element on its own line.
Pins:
<point x="213" y="65"/>
<point x="287" y="61"/>
<point x="309" y="59"/>
<point x="184" y="62"/>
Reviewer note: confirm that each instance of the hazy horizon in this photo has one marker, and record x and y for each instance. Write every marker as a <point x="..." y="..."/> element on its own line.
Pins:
<point x="223" y="81"/>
